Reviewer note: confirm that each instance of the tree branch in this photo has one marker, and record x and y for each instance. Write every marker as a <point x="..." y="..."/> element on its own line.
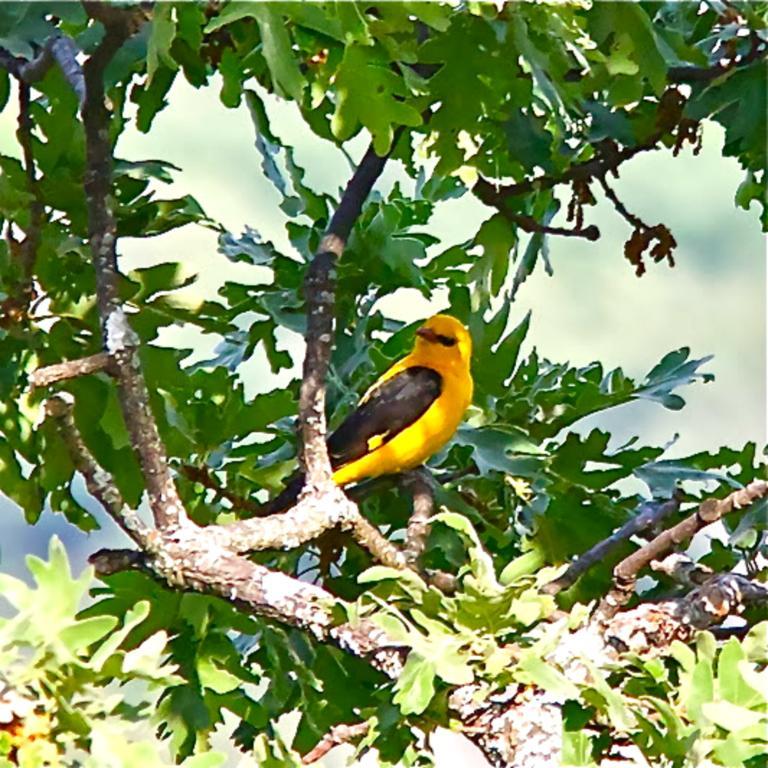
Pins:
<point x="99" y="483"/>
<point x="420" y="483"/>
<point x="58" y="49"/>
<point x="120" y="340"/>
<point x="319" y="290"/>
<point x="208" y="480"/>
<point x="689" y="74"/>
<point x="69" y="369"/>
<point x="648" y="516"/>
<point x="339" y="734"/>
<point x="190" y="559"/>
<point x="33" y="231"/>
<point x="708" y="512"/>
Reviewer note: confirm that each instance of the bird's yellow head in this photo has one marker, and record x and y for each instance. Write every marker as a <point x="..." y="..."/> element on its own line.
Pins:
<point x="444" y="337"/>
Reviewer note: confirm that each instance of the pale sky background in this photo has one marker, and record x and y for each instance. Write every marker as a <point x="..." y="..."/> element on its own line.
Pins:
<point x="593" y="308"/>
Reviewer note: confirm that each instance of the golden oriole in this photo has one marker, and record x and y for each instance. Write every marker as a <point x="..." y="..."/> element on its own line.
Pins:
<point x="408" y="414"/>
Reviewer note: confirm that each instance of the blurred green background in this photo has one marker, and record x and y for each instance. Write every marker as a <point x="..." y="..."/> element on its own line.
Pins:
<point x="593" y="308"/>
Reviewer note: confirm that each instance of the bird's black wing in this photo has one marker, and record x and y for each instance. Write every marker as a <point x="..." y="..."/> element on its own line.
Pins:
<point x="388" y="409"/>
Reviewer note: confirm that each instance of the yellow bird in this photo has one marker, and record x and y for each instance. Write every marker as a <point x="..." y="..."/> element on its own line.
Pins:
<point x="408" y="415"/>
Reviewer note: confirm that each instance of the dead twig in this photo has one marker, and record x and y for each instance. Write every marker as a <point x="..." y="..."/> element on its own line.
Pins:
<point x="649" y="515"/>
<point x="710" y="511"/>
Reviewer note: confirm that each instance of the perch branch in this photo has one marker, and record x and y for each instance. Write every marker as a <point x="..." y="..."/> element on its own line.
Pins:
<point x="99" y="483"/>
<point x="120" y="340"/>
<point x="708" y="512"/>
<point x="423" y="508"/>
<point x="188" y="559"/>
<point x="69" y="369"/>
<point x="648" y="516"/>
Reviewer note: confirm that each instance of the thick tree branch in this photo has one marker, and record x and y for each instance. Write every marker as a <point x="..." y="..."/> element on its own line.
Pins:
<point x="69" y="369"/>
<point x="648" y="516"/>
<point x="99" y="483"/>
<point x="710" y="511"/>
<point x="190" y="559"/>
<point x="120" y="341"/>
<point x="682" y="570"/>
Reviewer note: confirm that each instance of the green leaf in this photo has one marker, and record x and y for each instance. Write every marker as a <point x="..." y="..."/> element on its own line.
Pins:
<point x="731" y="685"/>
<point x="277" y="51"/>
<point x="78" y="636"/>
<point x="415" y="687"/>
<point x="162" y="32"/>
<point x="524" y="565"/>
<point x="368" y="95"/>
<point x="544" y="675"/>
<point x="732" y="717"/>
<point x="206" y="760"/>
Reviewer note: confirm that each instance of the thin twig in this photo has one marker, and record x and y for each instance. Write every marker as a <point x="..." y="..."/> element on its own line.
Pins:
<point x="710" y="511"/>
<point x="630" y="217"/>
<point x="688" y="74"/>
<point x="69" y="369"/>
<point x="207" y="479"/>
<point x="648" y="515"/>
<point x="339" y="734"/>
<point x="99" y="482"/>
<point x="33" y="231"/>
<point x="604" y="161"/>
<point x="529" y="224"/>
<point x="119" y="339"/>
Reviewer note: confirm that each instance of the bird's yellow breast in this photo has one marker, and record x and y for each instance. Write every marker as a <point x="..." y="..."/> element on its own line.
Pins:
<point x="420" y="440"/>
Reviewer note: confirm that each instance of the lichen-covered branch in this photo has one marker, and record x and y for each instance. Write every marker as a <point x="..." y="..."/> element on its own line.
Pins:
<point x="190" y="559"/>
<point x="120" y="341"/>
<point x="99" y="482"/>
<point x="649" y="515"/>
<point x="710" y="511"/>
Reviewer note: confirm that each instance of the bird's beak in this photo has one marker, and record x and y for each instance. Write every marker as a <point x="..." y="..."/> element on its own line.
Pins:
<point x="427" y="333"/>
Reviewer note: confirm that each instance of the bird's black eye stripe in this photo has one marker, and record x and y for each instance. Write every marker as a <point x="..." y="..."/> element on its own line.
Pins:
<point x="446" y="341"/>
